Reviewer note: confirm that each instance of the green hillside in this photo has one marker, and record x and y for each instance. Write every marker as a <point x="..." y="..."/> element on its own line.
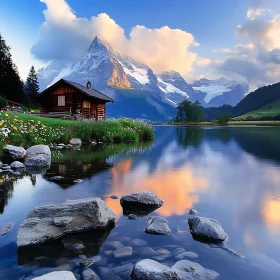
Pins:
<point x="269" y="111"/>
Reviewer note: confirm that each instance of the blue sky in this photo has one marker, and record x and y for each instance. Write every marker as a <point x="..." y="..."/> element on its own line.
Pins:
<point x="216" y="34"/>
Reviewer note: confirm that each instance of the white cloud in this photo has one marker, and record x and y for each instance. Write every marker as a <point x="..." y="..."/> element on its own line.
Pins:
<point x="258" y="61"/>
<point x="64" y="36"/>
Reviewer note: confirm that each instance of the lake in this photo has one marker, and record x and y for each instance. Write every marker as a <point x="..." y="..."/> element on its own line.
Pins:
<point x="231" y="174"/>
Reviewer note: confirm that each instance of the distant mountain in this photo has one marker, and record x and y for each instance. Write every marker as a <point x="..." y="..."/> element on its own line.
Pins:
<point x="46" y="75"/>
<point x="258" y="99"/>
<point x="220" y="92"/>
<point x="176" y="88"/>
<point x="130" y="82"/>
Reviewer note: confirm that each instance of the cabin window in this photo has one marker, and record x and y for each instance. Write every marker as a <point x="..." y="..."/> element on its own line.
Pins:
<point x="86" y="104"/>
<point x="61" y="100"/>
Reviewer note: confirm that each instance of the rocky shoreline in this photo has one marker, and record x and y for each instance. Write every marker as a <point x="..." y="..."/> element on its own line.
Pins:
<point x="55" y="226"/>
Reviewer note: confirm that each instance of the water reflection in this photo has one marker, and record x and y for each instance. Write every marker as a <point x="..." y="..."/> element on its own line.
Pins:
<point x="177" y="188"/>
<point x="6" y="192"/>
<point x="230" y="174"/>
<point x="49" y="253"/>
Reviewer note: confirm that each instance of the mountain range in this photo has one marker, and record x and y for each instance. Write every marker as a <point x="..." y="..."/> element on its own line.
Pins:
<point x="137" y="90"/>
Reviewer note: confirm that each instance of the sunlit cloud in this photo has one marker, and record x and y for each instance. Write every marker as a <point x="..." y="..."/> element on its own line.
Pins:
<point x="162" y="49"/>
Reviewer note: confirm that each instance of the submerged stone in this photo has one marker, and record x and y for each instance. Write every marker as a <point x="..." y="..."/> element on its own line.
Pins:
<point x="123" y="252"/>
<point x="158" y="229"/>
<point x="193" y="270"/>
<point x="152" y="270"/>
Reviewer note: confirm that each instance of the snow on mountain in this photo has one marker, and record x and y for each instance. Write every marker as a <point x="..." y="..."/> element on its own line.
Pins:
<point x="221" y="91"/>
<point x="175" y="87"/>
<point x="47" y="74"/>
<point x="212" y="91"/>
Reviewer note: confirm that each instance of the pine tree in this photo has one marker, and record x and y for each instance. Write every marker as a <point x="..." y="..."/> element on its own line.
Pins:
<point x="11" y="86"/>
<point x="31" y="86"/>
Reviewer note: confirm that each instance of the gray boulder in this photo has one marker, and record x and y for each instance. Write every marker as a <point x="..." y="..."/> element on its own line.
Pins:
<point x="152" y="270"/>
<point x="158" y="229"/>
<point x="191" y="270"/>
<point x="207" y="229"/>
<point x="57" y="275"/>
<point x="140" y="203"/>
<point x="50" y="222"/>
<point x="14" y="152"/>
<point x="38" y="150"/>
<point x="38" y="161"/>
<point x="75" y="141"/>
<point x="38" y="156"/>
<point x="17" y="165"/>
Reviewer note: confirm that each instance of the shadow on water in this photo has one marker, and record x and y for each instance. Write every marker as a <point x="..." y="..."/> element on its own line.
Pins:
<point x="49" y="253"/>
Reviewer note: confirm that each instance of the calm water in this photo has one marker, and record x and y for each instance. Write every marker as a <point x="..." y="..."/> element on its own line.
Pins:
<point x="229" y="174"/>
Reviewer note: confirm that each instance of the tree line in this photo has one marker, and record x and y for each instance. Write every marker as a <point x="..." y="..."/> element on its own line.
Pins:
<point x="11" y="85"/>
<point x="193" y="112"/>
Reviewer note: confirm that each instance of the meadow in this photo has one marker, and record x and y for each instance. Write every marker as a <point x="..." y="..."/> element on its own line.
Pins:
<point x="26" y="129"/>
<point x="269" y="111"/>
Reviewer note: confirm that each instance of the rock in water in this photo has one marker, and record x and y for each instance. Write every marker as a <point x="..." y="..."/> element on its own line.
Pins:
<point x="75" y="141"/>
<point x="192" y="211"/>
<point x="38" y="150"/>
<point x="57" y="275"/>
<point x="38" y="161"/>
<point x="14" y="152"/>
<point x="193" y="270"/>
<point x="158" y="219"/>
<point x="17" y="165"/>
<point x="49" y="222"/>
<point x="152" y="270"/>
<point x="158" y="228"/>
<point x="38" y="156"/>
<point x="207" y="229"/>
<point x="141" y="203"/>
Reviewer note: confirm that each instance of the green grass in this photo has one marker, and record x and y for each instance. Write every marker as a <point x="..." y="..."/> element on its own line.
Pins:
<point x="26" y="130"/>
<point x="270" y="110"/>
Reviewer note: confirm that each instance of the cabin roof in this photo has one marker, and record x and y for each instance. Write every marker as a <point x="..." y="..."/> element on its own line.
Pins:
<point x="90" y="92"/>
<point x="12" y="102"/>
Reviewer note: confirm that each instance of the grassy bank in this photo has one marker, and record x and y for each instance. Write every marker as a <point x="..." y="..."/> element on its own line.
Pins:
<point x="26" y="130"/>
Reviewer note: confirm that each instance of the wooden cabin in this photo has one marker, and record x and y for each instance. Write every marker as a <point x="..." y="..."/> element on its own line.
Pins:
<point x="69" y="99"/>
